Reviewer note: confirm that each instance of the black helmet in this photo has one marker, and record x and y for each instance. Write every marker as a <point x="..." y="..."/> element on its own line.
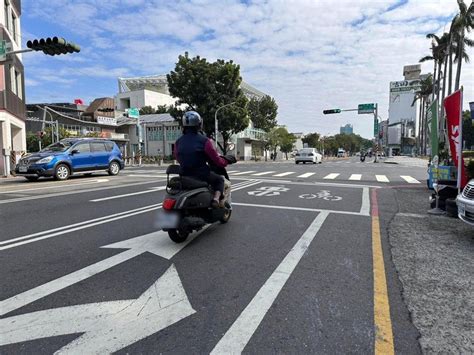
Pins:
<point x="192" y="119"/>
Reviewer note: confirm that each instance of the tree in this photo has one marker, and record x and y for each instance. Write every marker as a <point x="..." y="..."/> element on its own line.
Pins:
<point x="311" y="139"/>
<point x="467" y="129"/>
<point x="163" y="109"/>
<point x="205" y="87"/>
<point x="263" y="112"/>
<point x="463" y="22"/>
<point x="287" y="142"/>
<point x="147" y="110"/>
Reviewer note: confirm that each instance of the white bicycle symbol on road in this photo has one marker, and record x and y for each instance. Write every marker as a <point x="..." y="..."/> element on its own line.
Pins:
<point x="324" y="194"/>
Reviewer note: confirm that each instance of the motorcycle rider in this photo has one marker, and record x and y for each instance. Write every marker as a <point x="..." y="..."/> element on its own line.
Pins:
<point x="193" y="150"/>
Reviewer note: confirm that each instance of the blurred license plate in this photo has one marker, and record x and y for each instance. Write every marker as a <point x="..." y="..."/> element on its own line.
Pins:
<point x="23" y="169"/>
<point x="461" y="209"/>
<point x="167" y="220"/>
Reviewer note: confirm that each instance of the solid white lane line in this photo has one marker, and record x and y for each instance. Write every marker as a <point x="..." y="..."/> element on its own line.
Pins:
<point x="65" y="193"/>
<point x="264" y="173"/>
<point x="410" y="179"/>
<point x="67" y="228"/>
<point x="284" y="174"/>
<point x="239" y="334"/>
<point x="331" y="176"/>
<point x="355" y="177"/>
<point x="232" y="171"/>
<point x="365" y="207"/>
<point x="55" y="186"/>
<point x="306" y="175"/>
<point x="382" y="178"/>
<point x="153" y="189"/>
<point x="244" y="172"/>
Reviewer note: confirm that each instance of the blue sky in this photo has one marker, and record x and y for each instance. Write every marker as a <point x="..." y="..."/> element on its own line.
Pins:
<point x="308" y="54"/>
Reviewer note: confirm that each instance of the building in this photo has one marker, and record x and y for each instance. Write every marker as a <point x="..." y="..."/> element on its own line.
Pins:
<point x="403" y="111"/>
<point x="347" y="129"/>
<point x="97" y="120"/>
<point x="12" y="89"/>
<point x="138" y="92"/>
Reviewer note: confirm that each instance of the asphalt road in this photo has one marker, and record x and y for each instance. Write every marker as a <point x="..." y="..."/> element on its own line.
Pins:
<point x="303" y="266"/>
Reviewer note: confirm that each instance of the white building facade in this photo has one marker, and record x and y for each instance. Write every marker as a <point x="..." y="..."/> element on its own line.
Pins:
<point x="12" y="90"/>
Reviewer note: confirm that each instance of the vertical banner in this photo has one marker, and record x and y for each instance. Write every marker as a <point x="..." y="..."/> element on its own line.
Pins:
<point x="434" y="129"/>
<point x="452" y="105"/>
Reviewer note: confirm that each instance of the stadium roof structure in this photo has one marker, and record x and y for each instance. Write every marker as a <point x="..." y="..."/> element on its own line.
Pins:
<point x="159" y="84"/>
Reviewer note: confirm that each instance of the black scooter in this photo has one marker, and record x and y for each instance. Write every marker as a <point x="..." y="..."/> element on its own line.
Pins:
<point x="187" y="204"/>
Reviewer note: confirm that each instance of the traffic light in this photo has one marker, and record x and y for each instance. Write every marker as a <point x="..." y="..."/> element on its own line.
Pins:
<point x="53" y="46"/>
<point x="335" y="110"/>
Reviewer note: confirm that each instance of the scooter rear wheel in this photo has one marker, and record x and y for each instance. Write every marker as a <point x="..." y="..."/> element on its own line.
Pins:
<point x="226" y="216"/>
<point x="177" y="235"/>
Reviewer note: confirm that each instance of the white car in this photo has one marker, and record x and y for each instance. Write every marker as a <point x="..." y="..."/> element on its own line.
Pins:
<point x="308" y="155"/>
<point x="465" y="202"/>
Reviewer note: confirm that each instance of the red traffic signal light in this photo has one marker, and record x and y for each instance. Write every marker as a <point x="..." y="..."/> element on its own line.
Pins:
<point x="53" y="46"/>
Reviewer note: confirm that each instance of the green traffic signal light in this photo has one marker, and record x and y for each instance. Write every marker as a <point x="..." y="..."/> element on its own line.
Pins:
<point x="336" y="110"/>
<point x="53" y="46"/>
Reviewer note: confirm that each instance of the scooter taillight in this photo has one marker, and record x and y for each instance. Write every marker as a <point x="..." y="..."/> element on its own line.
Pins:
<point x="168" y="203"/>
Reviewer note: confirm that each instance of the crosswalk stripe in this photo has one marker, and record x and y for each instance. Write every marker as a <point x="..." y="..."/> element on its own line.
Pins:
<point x="382" y="178"/>
<point x="245" y="172"/>
<point x="305" y="175"/>
<point x="410" y="179"/>
<point x="285" y="174"/>
<point x="264" y="173"/>
<point x="355" y="177"/>
<point x="232" y="171"/>
<point x="331" y="176"/>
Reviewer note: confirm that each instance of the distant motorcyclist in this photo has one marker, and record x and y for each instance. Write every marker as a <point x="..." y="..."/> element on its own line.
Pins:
<point x="193" y="150"/>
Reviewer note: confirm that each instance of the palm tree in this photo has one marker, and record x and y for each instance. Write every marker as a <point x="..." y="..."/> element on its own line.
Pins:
<point x="423" y="94"/>
<point x="463" y="22"/>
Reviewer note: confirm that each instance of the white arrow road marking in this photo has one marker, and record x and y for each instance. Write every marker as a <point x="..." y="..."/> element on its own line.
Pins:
<point x="382" y="178"/>
<point x="409" y="179"/>
<point x="355" y="177"/>
<point x="153" y="189"/>
<point x="156" y="243"/>
<point x="331" y="176"/>
<point x="108" y="326"/>
<point x="239" y="334"/>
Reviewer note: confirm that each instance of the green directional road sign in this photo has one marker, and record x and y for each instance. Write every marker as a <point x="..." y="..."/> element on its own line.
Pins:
<point x="365" y="108"/>
<point x="133" y="112"/>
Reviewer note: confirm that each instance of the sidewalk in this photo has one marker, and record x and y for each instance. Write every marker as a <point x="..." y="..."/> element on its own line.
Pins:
<point x="408" y="161"/>
<point x="434" y="259"/>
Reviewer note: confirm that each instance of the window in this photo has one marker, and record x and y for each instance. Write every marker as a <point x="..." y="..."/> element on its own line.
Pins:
<point x="6" y="10"/>
<point x="83" y="148"/>
<point x="97" y="147"/>
<point x="109" y="146"/>
<point x="19" y="88"/>
<point x="14" y="27"/>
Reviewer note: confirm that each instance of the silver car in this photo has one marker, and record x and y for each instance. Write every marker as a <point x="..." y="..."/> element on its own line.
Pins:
<point x="465" y="202"/>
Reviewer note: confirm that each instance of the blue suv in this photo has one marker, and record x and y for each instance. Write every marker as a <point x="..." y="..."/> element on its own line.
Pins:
<point x="71" y="156"/>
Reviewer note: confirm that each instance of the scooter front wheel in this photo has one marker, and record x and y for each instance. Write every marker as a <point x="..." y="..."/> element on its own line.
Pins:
<point x="177" y="235"/>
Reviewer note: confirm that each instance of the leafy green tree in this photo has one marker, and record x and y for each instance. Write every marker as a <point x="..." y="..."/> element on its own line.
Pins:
<point x="463" y="22"/>
<point x="163" y="109"/>
<point x="147" y="110"/>
<point x="32" y="139"/>
<point x="467" y="129"/>
<point x="263" y="112"/>
<point x="287" y="142"/>
<point x="204" y="87"/>
<point x="311" y="139"/>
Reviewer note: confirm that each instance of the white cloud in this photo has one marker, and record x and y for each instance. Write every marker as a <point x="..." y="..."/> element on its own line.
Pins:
<point x="310" y="55"/>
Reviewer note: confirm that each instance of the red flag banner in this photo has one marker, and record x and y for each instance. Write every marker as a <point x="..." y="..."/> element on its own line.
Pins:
<point x="452" y="106"/>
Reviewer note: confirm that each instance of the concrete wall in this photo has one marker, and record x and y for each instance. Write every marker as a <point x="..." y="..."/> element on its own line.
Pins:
<point x="140" y="98"/>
